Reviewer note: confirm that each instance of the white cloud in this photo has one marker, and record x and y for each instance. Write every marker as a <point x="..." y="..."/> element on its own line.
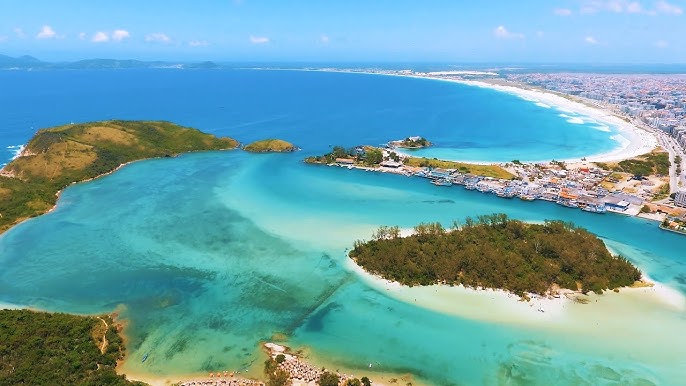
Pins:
<point x="259" y="39"/>
<point x="540" y="34"/>
<point x="661" y="44"/>
<point x="590" y="40"/>
<point x="502" y="33"/>
<point x="665" y="7"/>
<point x="198" y="43"/>
<point x="100" y="37"/>
<point x="324" y="39"/>
<point x="20" y="33"/>
<point x="46" y="33"/>
<point x="562" y="12"/>
<point x="634" y="7"/>
<point x="158" y="37"/>
<point x="82" y="36"/>
<point x="628" y="6"/>
<point x="616" y="6"/>
<point x="3" y="38"/>
<point x="120" y="34"/>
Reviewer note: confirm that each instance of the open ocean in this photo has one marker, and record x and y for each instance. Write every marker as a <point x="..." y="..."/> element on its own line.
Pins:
<point x="207" y="255"/>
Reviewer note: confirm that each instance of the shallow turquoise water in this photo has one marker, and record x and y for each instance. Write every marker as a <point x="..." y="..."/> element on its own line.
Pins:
<point x="212" y="253"/>
<point x="208" y="254"/>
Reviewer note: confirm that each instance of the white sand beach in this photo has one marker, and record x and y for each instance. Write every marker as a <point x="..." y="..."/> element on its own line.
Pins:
<point x="500" y="306"/>
<point x="633" y="140"/>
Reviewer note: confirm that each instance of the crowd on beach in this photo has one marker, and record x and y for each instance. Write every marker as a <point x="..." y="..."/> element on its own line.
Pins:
<point x="300" y="372"/>
<point x="221" y="379"/>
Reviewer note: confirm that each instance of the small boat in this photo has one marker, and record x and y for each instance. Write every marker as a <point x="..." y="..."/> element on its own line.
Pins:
<point x="594" y="208"/>
<point x="568" y="203"/>
<point x="145" y="357"/>
<point x="442" y="182"/>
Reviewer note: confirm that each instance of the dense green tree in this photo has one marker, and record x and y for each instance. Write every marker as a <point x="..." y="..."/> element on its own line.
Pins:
<point x="39" y="348"/>
<point x="279" y="378"/>
<point x="373" y="157"/>
<point x="328" y="379"/>
<point x="496" y="252"/>
<point x="353" y="382"/>
<point x="366" y="381"/>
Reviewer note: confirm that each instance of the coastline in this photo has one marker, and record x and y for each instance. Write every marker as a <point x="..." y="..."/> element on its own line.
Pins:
<point x="634" y="141"/>
<point x="59" y="192"/>
<point x="500" y="306"/>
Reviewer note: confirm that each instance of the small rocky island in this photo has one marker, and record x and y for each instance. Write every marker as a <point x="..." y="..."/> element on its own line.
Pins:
<point x="415" y="142"/>
<point x="496" y="252"/>
<point x="270" y="146"/>
<point x="57" y="157"/>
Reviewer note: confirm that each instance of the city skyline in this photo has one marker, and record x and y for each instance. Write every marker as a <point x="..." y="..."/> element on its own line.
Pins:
<point x="583" y="31"/>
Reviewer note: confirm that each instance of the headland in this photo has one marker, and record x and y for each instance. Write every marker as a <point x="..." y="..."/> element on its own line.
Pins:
<point x="57" y="157"/>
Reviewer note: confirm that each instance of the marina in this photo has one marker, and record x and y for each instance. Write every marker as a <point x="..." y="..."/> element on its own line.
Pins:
<point x="566" y="191"/>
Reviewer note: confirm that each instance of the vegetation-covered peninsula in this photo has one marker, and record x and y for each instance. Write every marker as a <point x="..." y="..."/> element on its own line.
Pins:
<point x="39" y="348"/>
<point x="373" y="157"/>
<point x="496" y="252"/>
<point x="270" y="146"/>
<point x="59" y="156"/>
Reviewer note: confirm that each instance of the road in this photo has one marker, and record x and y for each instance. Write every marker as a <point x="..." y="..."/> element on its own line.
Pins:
<point x="676" y="180"/>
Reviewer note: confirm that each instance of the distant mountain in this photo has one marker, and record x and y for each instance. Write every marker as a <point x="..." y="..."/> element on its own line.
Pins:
<point x="22" y="61"/>
<point x="30" y="63"/>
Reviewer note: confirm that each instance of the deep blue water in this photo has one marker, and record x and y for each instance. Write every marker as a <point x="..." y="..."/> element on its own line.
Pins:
<point x="312" y="109"/>
<point x="209" y="254"/>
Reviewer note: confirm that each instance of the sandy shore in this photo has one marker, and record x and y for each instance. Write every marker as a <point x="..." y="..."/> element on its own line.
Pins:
<point x="7" y="306"/>
<point x="633" y="140"/>
<point x="500" y="306"/>
<point x="480" y="304"/>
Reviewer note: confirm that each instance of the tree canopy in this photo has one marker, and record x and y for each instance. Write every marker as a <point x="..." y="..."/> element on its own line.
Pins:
<point x="494" y="251"/>
<point x="39" y="348"/>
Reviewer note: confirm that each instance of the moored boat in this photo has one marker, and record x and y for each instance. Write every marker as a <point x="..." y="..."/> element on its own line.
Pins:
<point x="442" y="182"/>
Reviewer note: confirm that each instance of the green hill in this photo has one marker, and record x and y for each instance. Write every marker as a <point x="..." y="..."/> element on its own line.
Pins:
<point x="270" y="145"/>
<point x="59" y="156"/>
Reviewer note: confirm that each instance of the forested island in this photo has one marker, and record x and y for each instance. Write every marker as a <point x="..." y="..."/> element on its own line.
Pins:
<point x="59" y="156"/>
<point x="496" y="252"/>
<point x="270" y="146"/>
<point x="38" y="348"/>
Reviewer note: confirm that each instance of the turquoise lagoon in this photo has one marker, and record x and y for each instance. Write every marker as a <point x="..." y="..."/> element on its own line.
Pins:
<point x="208" y="254"/>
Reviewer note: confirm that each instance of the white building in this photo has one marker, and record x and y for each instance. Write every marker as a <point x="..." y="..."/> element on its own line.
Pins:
<point x="680" y="198"/>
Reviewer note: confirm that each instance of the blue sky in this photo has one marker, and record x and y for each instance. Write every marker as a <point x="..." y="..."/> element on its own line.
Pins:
<point x="508" y="31"/>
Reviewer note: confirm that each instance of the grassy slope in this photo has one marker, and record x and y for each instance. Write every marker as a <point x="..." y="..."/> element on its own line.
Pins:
<point x="39" y="348"/>
<point x="494" y="171"/>
<point x="653" y="163"/>
<point x="269" y="145"/>
<point x="59" y="156"/>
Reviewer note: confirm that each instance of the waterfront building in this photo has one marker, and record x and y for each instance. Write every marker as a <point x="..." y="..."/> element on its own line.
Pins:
<point x="680" y="198"/>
